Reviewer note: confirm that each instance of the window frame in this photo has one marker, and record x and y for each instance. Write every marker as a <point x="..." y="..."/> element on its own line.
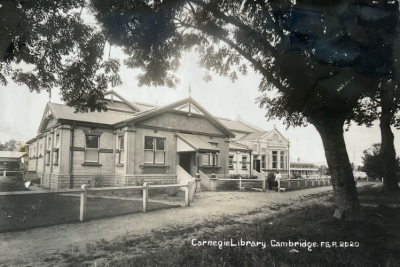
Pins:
<point x="275" y="162"/>
<point x="48" y="154"/>
<point x="263" y="161"/>
<point x="121" y="151"/>
<point x="98" y="148"/>
<point x="154" y="150"/>
<point x="210" y="157"/>
<point x="282" y="159"/>
<point x="231" y="157"/>
<point x="244" y="163"/>
<point x="56" y="150"/>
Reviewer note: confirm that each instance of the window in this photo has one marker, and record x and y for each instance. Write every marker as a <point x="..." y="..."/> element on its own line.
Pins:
<point x="40" y="150"/>
<point x="121" y="149"/>
<point x="244" y="162"/>
<point x="92" y="148"/>
<point x="231" y="162"/>
<point x="282" y="159"/>
<point x="274" y="159"/>
<point x="154" y="150"/>
<point x="57" y="148"/>
<point x="48" y="151"/>
<point x="208" y="158"/>
<point x="263" y="163"/>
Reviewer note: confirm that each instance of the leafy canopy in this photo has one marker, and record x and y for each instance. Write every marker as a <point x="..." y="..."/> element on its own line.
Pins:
<point x="59" y="50"/>
<point x="372" y="162"/>
<point x="321" y="56"/>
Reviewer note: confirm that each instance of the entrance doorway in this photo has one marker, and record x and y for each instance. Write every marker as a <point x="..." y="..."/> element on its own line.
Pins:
<point x="184" y="161"/>
<point x="256" y="165"/>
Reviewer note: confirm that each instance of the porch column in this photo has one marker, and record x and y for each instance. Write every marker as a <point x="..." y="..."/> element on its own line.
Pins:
<point x="213" y="165"/>
<point x="250" y="164"/>
<point x="197" y="165"/>
<point x="198" y="179"/>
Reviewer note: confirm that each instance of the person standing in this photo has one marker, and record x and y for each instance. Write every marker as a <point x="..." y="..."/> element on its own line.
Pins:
<point x="278" y="178"/>
<point x="270" y="180"/>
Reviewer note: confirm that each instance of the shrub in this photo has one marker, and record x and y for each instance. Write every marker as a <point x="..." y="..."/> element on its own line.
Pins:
<point x="229" y="185"/>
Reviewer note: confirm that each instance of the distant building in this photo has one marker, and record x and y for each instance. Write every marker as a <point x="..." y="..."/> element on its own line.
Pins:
<point x="303" y="169"/>
<point x="11" y="163"/>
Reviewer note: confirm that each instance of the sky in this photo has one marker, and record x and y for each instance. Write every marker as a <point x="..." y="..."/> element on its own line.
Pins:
<point x="21" y="111"/>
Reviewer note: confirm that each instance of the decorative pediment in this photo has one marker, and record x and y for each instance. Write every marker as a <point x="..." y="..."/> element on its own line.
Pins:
<point x="276" y="138"/>
<point x="189" y="108"/>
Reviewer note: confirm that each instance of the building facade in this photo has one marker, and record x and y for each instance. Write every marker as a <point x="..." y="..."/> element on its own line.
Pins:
<point x="129" y="144"/>
<point x="254" y="151"/>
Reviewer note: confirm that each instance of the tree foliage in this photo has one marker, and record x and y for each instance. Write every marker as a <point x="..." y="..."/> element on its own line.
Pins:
<point x="10" y="145"/>
<point x="320" y="57"/>
<point x="372" y="162"/>
<point x="58" y="50"/>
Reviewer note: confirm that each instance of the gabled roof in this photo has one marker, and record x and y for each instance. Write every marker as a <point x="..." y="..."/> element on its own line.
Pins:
<point x="237" y="146"/>
<point x="68" y="113"/>
<point x="151" y="113"/>
<point x="254" y="135"/>
<point x="145" y="106"/>
<point x="130" y="104"/>
<point x="237" y="126"/>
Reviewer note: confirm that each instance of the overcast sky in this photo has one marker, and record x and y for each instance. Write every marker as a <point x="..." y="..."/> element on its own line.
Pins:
<point x="21" y="111"/>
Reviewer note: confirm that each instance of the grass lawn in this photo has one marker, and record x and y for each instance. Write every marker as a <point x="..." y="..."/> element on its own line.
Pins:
<point x="373" y="240"/>
<point x="30" y="211"/>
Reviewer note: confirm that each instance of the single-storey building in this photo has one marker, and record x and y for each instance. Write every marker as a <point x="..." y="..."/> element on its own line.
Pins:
<point x="129" y="144"/>
<point x="11" y="163"/>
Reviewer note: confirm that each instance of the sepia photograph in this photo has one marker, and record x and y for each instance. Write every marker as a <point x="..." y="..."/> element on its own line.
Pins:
<point x="199" y="133"/>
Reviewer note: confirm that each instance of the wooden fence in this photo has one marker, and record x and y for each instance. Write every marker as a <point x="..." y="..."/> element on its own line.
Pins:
<point x="289" y="184"/>
<point x="188" y="188"/>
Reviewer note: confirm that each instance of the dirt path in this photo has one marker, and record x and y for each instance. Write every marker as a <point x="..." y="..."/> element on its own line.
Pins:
<point x="33" y="246"/>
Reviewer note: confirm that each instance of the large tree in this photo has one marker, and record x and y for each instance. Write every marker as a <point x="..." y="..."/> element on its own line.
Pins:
<point x="320" y="56"/>
<point x="58" y="49"/>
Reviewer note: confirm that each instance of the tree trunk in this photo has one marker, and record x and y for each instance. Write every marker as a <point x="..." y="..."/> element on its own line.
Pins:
<point x="388" y="152"/>
<point x="345" y="192"/>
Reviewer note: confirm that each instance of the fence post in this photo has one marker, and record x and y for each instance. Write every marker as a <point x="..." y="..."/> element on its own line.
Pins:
<point x="264" y="184"/>
<point x="82" y="212"/>
<point x="145" y="196"/>
<point x="187" y="190"/>
<point x="240" y="183"/>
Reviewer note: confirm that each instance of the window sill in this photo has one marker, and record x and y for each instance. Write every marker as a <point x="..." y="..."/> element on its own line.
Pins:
<point x="47" y="164"/>
<point x="119" y="165"/>
<point x="92" y="164"/>
<point x="55" y="164"/>
<point x="210" y="166"/>
<point x="153" y="165"/>
<point x="231" y="168"/>
<point x="245" y="169"/>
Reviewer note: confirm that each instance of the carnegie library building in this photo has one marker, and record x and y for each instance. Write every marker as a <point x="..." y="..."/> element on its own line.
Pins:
<point x="134" y="142"/>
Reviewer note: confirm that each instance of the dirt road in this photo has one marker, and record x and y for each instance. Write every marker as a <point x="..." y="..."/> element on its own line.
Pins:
<point x="27" y="248"/>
